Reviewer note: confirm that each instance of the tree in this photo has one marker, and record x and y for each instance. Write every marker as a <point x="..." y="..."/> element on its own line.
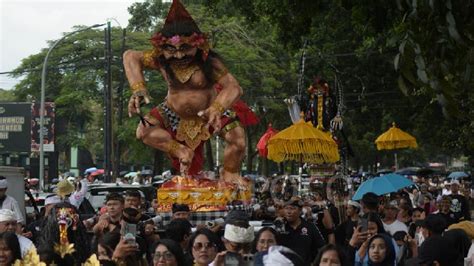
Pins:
<point x="429" y="44"/>
<point x="7" y="95"/>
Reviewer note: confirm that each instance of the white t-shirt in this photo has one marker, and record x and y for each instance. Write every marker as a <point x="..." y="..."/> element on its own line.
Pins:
<point x="25" y="245"/>
<point x="11" y="204"/>
<point x="395" y="227"/>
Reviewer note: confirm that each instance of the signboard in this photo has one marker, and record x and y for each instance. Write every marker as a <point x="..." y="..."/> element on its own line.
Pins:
<point x="15" y="127"/>
<point x="48" y="144"/>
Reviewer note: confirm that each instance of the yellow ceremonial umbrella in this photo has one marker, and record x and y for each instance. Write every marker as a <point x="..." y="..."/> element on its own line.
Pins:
<point x="304" y="143"/>
<point x="395" y="138"/>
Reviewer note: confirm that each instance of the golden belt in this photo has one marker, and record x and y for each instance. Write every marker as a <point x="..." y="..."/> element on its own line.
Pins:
<point x="192" y="131"/>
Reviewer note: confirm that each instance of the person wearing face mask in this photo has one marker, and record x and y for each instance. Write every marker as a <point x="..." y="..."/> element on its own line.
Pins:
<point x="331" y="255"/>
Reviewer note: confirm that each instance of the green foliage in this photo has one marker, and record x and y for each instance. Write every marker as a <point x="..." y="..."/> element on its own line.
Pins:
<point x="7" y="95"/>
<point x="407" y="62"/>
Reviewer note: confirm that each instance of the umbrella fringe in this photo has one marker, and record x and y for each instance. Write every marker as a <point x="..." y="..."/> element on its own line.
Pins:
<point x="312" y="151"/>
<point x="391" y="145"/>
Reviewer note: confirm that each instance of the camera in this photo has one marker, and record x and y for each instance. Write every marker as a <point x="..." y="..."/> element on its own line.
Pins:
<point x="316" y="209"/>
<point x="218" y="221"/>
<point x="279" y="224"/>
<point x="232" y="258"/>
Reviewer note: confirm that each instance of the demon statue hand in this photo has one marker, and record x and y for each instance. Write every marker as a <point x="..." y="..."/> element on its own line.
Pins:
<point x="200" y="97"/>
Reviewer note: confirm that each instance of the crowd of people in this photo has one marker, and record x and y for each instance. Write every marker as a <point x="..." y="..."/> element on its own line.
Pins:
<point x="421" y="225"/>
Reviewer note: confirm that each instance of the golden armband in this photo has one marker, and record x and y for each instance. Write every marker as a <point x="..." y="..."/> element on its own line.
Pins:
<point x="217" y="106"/>
<point x="139" y="86"/>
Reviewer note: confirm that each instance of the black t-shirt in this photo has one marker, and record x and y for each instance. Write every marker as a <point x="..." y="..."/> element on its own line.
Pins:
<point x="344" y="232"/>
<point x="448" y="217"/>
<point x="460" y="208"/>
<point x="305" y="240"/>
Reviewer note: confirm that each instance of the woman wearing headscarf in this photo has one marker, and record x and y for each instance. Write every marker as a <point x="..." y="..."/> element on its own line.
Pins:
<point x="382" y="251"/>
<point x="361" y="238"/>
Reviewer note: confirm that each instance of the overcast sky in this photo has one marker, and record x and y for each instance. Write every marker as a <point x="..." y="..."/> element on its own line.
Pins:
<point x="26" y="25"/>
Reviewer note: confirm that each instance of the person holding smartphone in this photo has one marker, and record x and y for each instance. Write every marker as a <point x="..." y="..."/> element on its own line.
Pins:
<point x="110" y="220"/>
<point x="370" y="225"/>
<point x="345" y="230"/>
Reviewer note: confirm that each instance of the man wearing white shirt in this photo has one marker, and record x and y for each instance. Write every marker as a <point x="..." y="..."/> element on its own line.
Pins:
<point x="8" y="223"/>
<point x="447" y="188"/>
<point x="77" y="197"/>
<point x="8" y="202"/>
<point x="390" y="222"/>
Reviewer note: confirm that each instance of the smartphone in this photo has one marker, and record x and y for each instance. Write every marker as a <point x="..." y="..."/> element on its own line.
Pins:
<point x="130" y="239"/>
<point x="364" y="224"/>
<point x="128" y="228"/>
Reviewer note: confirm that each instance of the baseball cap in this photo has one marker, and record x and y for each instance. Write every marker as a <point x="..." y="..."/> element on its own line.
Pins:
<point x="294" y="201"/>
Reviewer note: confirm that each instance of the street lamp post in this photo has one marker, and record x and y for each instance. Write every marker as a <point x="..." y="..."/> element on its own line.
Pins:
<point x="42" y="108"/>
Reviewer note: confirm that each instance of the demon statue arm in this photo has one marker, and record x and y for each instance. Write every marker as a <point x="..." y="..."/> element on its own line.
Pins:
<point x="134" y="71"/>
<point x="230" y="93"/>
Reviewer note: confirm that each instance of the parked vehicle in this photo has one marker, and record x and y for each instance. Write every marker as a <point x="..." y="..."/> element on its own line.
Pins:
<point x="97" y="192"/>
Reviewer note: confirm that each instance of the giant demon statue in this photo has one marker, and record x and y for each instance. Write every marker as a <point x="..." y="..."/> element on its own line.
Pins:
<point x="201" y="97"/>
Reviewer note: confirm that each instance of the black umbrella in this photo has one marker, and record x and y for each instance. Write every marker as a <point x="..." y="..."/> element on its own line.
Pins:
<point x="425" y="172"/>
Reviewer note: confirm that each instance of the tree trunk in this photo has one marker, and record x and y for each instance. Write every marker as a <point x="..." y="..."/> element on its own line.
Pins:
<point x="249" y="151"/>
<point x="158" y="163"/>
<point x="265" y="170"/>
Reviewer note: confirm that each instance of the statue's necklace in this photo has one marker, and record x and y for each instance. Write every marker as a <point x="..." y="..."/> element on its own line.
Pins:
<point x="184" y="73"/>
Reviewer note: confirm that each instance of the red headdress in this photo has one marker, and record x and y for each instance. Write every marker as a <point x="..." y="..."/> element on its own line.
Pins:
<point x="180" y="28"/>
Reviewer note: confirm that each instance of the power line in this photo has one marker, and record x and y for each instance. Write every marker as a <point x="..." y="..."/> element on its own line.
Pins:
<point x="234" y="61"/>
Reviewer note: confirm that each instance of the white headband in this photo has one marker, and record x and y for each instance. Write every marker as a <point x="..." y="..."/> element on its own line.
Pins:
<point x="275" y="258"/>
<point x="3" y="183"/>
<point x="7" y="215"/>
<point x="354" y="204"/>
<point x="52" y="200"/>
<point x="239" y="234"/>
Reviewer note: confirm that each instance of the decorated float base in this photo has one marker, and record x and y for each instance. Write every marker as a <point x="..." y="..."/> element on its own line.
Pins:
<point x="201" y="194"/>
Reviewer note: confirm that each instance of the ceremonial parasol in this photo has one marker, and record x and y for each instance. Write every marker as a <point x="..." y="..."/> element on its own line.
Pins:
<point x="382" y="185"/>
<point x="395" y="138"/>
<point x="98" y="172"/>
<point x="262" y="143"/>
<point x="303" y="142"/>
